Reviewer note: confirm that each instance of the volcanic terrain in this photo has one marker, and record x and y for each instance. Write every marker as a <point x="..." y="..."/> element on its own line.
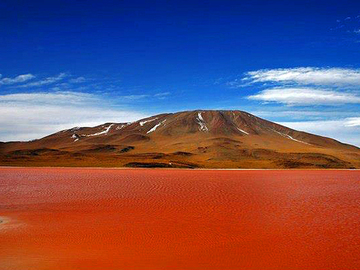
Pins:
<point x="190" y="139"/>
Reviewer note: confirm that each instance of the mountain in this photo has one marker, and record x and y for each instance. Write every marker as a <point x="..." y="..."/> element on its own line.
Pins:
<point x="190" y="139"/>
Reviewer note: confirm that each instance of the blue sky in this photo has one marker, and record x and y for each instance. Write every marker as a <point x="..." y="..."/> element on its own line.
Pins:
<point x="82" y="63"/>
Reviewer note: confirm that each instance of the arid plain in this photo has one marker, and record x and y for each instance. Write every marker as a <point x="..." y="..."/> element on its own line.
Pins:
<point x="71" y="218"/>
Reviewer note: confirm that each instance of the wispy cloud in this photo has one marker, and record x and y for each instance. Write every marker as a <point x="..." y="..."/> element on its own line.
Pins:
<point x="303" y="85"/>
<point x="134" y="97"/>
<point x="77" y="80"/>
<point x="353" y="122"/>
<point x="305" y="96"/>
<point x="64" y="97"/>
<point x="28" y="116"/>
<point x="348" y="26"/>
<point x="162" y="95"/>
<point x="46" y="81"/>
<point x="309" y="92"/>
<point x="304" y="76"/>
<point x="17" y="79"/>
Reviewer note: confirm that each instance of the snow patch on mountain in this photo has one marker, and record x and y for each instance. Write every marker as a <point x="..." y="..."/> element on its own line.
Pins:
<point x="104" y="132"/>
<point x="243" y="131"/>
<point x="120" y="127"/>
<point x="155" y="127"/>
<point x="147" y="121"/>
<point x="201" y="122"/>
<point x="289" y="137"/>
<point x="75" y="137"/>
<point x="123" y="125"/>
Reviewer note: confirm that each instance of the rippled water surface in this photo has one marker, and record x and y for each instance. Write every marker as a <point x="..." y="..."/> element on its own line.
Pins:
<point x="178" y="219"/>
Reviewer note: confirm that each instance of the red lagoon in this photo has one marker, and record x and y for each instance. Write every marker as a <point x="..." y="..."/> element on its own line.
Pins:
<point x="57" y="218"/>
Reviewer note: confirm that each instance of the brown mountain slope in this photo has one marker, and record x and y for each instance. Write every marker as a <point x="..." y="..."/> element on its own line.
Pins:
<point x="204" y="139"/>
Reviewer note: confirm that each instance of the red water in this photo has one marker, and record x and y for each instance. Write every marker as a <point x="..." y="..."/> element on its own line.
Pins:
<point x="176" y="219"/>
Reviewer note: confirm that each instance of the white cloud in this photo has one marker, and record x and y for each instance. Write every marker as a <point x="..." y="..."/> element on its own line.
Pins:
<point x="77" y="80"/>
<point x="133" y="97"/>
<point x="65" y="97"/>
<point x="279" y="112"/>
<point x="17" y="79"/>
<point x="44" y="97"/>
<point x="310" y="86"/>
<point x="353" y="122"/>
<point x="46" y="81"/>
<point x="305" y="96"/>
<point x="162" y="94"/>
<point x="305" y="76"/>
<point x="29" y="116"/>
<point x="336" y="129"/>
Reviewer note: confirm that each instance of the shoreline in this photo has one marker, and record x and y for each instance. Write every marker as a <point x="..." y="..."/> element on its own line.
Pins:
<point x="187" y="169"/>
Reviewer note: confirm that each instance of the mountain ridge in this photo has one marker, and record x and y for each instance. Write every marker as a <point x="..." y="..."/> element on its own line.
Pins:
<point x="193" y="139"/>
